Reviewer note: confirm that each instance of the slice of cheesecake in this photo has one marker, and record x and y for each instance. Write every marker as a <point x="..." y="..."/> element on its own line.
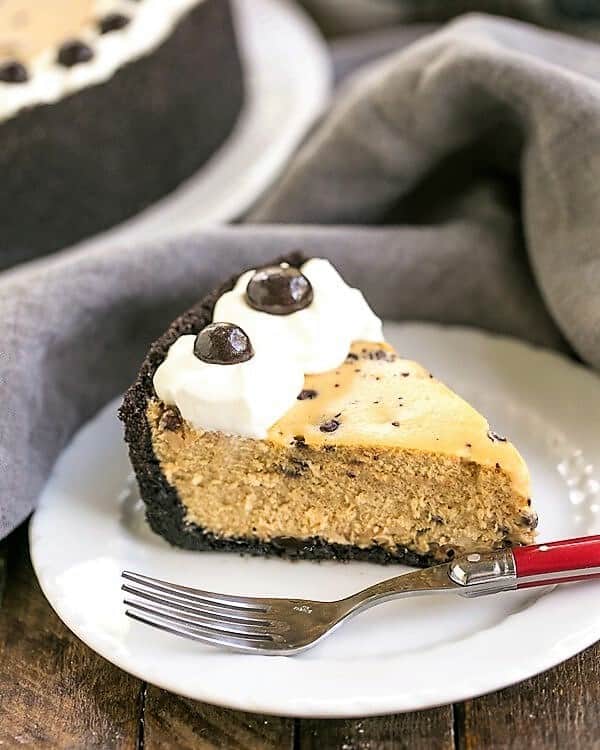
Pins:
<point x="374" y="459"/>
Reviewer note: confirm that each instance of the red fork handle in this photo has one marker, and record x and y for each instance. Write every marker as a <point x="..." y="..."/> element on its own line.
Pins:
<point x="558" y="562"/>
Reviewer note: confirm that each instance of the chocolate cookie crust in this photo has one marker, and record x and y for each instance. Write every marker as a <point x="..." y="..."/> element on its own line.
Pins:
<point x="92" y="159"/>
<point x="164" y="509"/>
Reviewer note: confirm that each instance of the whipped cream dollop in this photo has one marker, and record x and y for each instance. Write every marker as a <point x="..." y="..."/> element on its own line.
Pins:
<point x="249" y="397"/>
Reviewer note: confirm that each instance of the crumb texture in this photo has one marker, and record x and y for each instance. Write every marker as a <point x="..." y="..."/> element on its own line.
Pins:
<point x="389" y="498"/>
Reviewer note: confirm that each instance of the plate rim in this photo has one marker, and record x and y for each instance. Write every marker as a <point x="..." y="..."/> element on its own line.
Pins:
<point x="270" y="704"/>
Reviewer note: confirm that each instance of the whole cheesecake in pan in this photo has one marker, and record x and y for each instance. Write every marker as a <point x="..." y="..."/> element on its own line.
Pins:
<point x="106" y="106"/>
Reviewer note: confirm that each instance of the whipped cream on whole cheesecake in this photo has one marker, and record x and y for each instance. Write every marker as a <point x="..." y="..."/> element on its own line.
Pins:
<point x="247" y="397"/>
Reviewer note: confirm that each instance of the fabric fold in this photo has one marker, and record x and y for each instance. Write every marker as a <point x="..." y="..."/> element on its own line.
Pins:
<point x="491" y="98"/>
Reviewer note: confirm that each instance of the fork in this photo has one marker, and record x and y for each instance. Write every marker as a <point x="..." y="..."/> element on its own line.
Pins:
<point x="287" y="626"/>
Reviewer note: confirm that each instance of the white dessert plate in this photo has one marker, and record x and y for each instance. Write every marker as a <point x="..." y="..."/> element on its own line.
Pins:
<point x="403" y="655"/>
<point x="288" y="82"/>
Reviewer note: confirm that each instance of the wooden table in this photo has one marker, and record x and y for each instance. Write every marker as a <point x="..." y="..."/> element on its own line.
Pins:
<point x="57" y="693"/>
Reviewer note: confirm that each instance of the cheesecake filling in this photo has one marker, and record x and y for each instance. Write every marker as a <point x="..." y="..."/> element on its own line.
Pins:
<point x="249" y="397"/>
<point x="49" y="50"/>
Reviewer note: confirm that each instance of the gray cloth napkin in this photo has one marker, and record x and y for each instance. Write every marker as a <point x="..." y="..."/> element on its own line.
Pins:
<point x="336" y="17"/>
<point x="466" y="171"/>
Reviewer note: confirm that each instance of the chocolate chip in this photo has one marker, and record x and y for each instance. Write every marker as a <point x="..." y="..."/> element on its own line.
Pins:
<point x="450" y="553"/>
<point x="307" y="393"/>
<point x="395" y="424"/>
<point x="299" y="441"/>
<point x="351" y="355"/>
<point x="279" y="290"/>
<point x="13" y="72"/>
<point x="437" y="519"/>
<point x="113" y="22"/>
<point x="351" y="475"/>
<point x="529" y="501"/>
<point x="468" y="445"/>
<point x="330" y="426"/>
<point x="223" y="344"/>
<point x="498" y="467"/>
<point x="493" y="436"/>
<point x="405" y="374"/>
<point x="74" y="52"/>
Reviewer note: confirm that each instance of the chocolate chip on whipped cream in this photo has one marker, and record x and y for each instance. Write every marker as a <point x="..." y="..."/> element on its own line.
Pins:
<point x="13" y="72"/>
<point x="223" y="344"/>
<point x="73" y="53"/>
<point x="113" y="22"/>
<point x="279" y="290"/>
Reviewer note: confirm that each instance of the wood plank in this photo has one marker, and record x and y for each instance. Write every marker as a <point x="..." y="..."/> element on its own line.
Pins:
<point x="54" y="691"/>
<point x="557" y="709"/>
<point x="178" y="724"/>
<point x="421" y="730"/>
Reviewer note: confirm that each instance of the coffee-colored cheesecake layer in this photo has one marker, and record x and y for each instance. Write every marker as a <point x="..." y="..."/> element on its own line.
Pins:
<point x="376" y="452"/>
<point x="29" y="27"/>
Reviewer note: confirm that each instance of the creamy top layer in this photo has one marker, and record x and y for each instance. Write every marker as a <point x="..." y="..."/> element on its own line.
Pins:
<point x="247" y="398"/>
<point x="377" y="399"/>
<point x="31" y="33"/>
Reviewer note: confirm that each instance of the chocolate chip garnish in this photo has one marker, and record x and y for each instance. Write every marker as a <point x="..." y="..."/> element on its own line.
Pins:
<point x="395" y="424"/>
<point x="330" y="426"/>
<point x="307" y="393"/>
<point x="223" y="344"/>
<point x="279" y="290"/>
<point x="469" y="445"/>
<point x="493" y="436"/>
<point x="74" y="52"/>
<point x="113" y="22"/>
<point x="13" y="72"/>
<point x="405" y="374"/>
<point x="352" y="356"/>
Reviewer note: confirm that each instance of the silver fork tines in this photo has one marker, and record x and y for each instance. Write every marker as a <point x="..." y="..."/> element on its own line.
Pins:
<point x="287" y="626"/>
